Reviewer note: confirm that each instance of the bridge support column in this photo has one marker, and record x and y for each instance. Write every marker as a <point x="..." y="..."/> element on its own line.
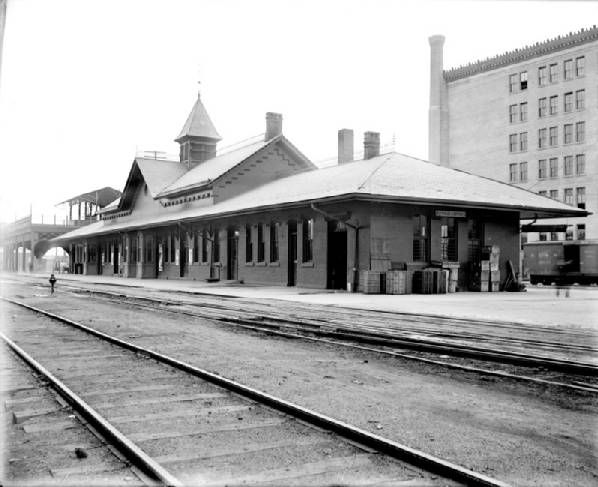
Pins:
<point x="32" y="255"/>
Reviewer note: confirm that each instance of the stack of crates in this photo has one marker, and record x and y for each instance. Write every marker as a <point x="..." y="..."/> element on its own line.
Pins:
<point x="371" y="282"/>
<point x="399" y="282"/>
<point x="490" y="273"/>
<point x="431" y="281"/>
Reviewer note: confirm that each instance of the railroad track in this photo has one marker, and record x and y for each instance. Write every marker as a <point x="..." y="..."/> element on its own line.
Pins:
<point x="183" y="425"/>
<point x="332" y="329"/>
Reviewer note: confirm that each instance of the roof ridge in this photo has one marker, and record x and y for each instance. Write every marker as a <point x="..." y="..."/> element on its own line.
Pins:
<point x="547" y="46"/>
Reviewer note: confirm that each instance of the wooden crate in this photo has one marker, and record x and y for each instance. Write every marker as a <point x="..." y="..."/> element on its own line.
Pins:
<point x="370" y="282"/>
<point x="399" y="282"/>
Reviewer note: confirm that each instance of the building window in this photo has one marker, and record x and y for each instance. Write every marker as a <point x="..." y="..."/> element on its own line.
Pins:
<point x="568" y="102"/>
<point x="513" y="115"/>
<point x="580" y="132"/>
<point x="513" y="173"/>
<point x="542" y="193"/>
<point x="542" y="169"/>
<point x="580" y="164"/>
<point x="261" y="244"/>
<point x="448" y="239"/>
<point x="523" y="172"/>
<point x="513" y="143"/>
<point x="568" y="69"/>
<point x="568" y="166"/>
<point x="216" y="245"/>
<point x="172" y="248"/>
<point x="569" y="233"/>
<point x="307" y="235"/>
<point x="543" y="237"/>
<point x="554" y="236"/>
<point x="553" y="108"/>
<point x="554" y="194"/>
<point x="553" y="136"/>
<point x="196" y="247"/>
<point x="554" y="167"/>
<point x="580" y="66"/>
<point x="523" y="80"/>
<point x="580" y="196"/>
<point x="474" y="241"/>
<point x="513" y="83"/>
<point x="420" y="238"/>
<point x="204" y="246"/>
<point x="523" y="112"/>
<point x="581" y="231"/>
<point x="274" y="242"/>
<point x="542" y="76"/>
<point x="541" y="107"/>
<point x="553" y="73"/>
<point x="580" y="99"/>
<point x="542" y="138"/>
<point x="568" y="196"/>
<point x="568" y="133"/>
<point x="523" y="141"/>
<point x="248" y="244"/>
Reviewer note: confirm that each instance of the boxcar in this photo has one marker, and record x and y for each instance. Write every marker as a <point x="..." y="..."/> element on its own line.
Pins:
<point x="562" y="262"/>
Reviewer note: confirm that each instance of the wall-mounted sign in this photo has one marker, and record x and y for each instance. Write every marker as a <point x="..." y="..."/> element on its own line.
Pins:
<point x="450" y="214"/>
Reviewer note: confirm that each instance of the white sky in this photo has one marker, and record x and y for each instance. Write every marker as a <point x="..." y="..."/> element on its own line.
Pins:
<point x="85" y="83"/>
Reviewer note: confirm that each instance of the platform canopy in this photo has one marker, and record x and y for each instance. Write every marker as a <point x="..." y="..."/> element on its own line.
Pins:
<point x="100" y="197"/>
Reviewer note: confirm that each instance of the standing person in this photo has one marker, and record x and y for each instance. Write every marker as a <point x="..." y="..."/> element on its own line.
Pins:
<point x="52" y="282"/>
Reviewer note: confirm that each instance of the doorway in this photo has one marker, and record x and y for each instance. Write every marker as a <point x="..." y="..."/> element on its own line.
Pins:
<point x="183" y="254"/>
<point x="116" y="257"/>
<point x="292" y="253"/>
<point x="232" y="257"/>
<point x="337" y="256"/>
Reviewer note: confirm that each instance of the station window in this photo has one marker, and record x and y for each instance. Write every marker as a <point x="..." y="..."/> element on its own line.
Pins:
<point x="248" y="244"/>
<point x="261" y="244"/>
<point x="543" y="193"/>
<point x="542" y="138"/>
<point x="216" y="245"/>
<point x="553" y="167"/>
<point x="513" y="173"/>
<point x="569" y="232"/>
<point x="580" y="196"/>
<point x="523" y="172"/>
<point x="554" y="236"/>
<point x="513" y="115"/>
<point x="420" y="238"/>
<point x="474" y="240"/>
<point x="195" y="247"/>
<point x="580" y="164"/>
<point x="580" y="66"/>
<point x="542" y="236"/>
<point x="448" y="239"/>
<point x="204" y="246"/>
<point x="568" y="166"/>
<point x="554" y="194"/>
<point x="307" y="235"/>
<point x="274" y="242"/>
<point x="568" y="101"/>
<point x="513" y="143"/>
<point x="580" y="99"/>
<point x="581" y="231"/>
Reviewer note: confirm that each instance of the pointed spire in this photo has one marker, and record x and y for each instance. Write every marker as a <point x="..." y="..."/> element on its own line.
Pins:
<point x="199" y="124"/>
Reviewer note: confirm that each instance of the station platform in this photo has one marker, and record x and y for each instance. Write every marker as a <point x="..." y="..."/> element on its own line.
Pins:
<point x="538" y="306"/>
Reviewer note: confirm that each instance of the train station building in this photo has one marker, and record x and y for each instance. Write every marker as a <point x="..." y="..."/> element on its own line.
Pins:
<point x="263" y="213"/>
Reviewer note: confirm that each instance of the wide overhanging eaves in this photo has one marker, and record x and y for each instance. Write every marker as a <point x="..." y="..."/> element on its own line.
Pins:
<point x="525" y="213"/>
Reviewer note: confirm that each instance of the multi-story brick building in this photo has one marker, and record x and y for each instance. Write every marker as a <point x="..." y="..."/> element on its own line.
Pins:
<point x="528" y="117"/>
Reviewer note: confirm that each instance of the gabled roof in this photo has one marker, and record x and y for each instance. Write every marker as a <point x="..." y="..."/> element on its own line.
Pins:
<point x="390" y="177"/>
<point x="208" y="171"/>
<point x="198" y="123"/>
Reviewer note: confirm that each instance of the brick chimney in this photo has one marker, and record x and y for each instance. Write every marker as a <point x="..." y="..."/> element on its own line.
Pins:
<point x="371" y="145"/>
<point x="345" y="146"/>
<point x="273" y="125"/>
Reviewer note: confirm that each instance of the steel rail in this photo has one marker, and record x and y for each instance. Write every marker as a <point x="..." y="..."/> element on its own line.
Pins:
<point x="350" y="432"/>
<point x="124" y="445"/>
<point x="469" y="351"/>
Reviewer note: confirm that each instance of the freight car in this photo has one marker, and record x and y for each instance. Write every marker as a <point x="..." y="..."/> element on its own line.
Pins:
<point x="562" y="262"/>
